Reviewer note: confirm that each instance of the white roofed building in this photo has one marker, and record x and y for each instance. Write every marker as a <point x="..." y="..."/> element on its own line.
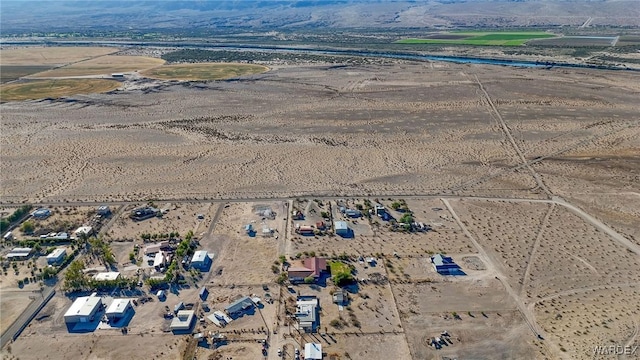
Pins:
<point x="312" y="351"/>
<point x="107" y="276"/>
<point x="307" y="313"/>
<point x="83" y="230"/>
<point x="118" y="309"/>
<point x="201" y="260"/>
<point x="183" y="322"/>
<point x="19" y="253"/>
<point x="83" y="309"/>
<point x="158" y="260"/>
<point x="56" y="256"/>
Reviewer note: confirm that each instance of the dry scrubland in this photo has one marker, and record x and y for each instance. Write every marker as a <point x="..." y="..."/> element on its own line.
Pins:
<point x="54" y="56"/>
<point x="241" y="259"/>
<point x="396" y="128"/>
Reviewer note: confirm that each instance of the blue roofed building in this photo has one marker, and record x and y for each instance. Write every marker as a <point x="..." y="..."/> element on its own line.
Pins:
<point x="445" y="265"/>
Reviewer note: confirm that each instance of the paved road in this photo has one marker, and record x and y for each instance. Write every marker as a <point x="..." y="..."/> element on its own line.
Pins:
<point x="27" y="315"/>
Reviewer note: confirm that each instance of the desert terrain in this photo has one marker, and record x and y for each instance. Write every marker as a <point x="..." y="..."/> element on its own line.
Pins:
<point x="528" y="178"/>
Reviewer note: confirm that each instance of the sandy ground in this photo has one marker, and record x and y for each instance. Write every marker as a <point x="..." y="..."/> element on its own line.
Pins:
<point x="35" y="55"/>
<point x="405" y="128"/>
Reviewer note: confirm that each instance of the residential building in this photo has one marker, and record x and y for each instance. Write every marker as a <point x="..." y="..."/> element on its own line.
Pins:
<point x="41" y="214"/>
<point x="107" y="276"/>
<point x="104" y="210"/>
<point x="342" y="228"/>
<point x="144" y="213"/>
<point x="56" y="256"/>
<point x="307" y="313"/>
<point x="118" y="309"/>
<point x="306" y="230"/>
<point x="183" y="322"/>
<point x="445" y="265"/>
<point x="159" y="260"/>
<point x="83" y="309"/>
<point x="19" y="253"/>
<point x="157" y="247"/>
<point x="201" y="260"/>
<point x="309" y="267"/>
<point x="83" y="230"/>
<point x="238" y="307"/>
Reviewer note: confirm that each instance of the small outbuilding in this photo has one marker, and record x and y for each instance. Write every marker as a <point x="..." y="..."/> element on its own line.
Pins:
<point x="312" y="351"/>
<point x="201" y="260"/>
<point x="353" y="213"/>
<point x="342" y="229"/>
<point x="56" y="256"/>
<point x="203" y="293"/>
<point x="340" y="297"/>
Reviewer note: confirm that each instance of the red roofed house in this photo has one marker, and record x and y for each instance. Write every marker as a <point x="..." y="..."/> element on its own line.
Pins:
<point x="310" y="267"/>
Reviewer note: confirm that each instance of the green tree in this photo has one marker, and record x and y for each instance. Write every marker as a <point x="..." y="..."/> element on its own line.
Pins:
<point x="396" y="205"/>
<point x="343" y="278"/>
<point x="282" y="278"/>
<point x="28" y="227"/>
<point x="309" y="280"/>
<point x="406" y="219"/>
<point x="74" y="278"/>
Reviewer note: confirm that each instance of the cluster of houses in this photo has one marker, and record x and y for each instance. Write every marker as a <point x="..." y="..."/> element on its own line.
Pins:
<point x="340" y="228"/>
<point x="161" y="254"/>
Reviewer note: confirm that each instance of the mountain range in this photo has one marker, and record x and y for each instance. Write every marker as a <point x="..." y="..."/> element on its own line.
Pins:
<point x="115" y="15"/>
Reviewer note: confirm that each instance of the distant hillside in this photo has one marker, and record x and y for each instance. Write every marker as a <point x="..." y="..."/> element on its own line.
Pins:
<point x="113" y="15"/>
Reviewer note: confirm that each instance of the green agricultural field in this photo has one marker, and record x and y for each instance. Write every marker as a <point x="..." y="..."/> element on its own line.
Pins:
<point x="54" y="88"/>
<point x="480" y="38"/>
<point x="203" y="71"/>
